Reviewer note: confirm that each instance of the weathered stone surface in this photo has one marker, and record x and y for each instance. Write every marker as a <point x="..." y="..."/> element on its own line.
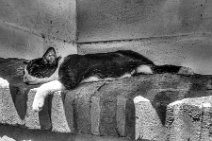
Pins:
<point x="32" y="118"/>
<point x="108" y="102"/>
<point x="8" y="111"/>
<point x="70" y="113"/>
<point x="148" y="124"/>
<point x="121" y="115"/>
<point x="206" y="122"/>
<point x="80" y="99"/>
<point x="189" y="119"/>
<point x="58" y="117"/>
<point x="6" y="138"/>
<point x="95" y="114"/>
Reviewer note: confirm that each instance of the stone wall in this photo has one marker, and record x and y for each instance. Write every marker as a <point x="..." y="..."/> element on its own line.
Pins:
<point x="157" y="107"/>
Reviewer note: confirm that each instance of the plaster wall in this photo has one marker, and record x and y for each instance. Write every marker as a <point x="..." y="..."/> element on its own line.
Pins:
<point x="54" y="18"/>
<point x="100" y="20"/>
<point x="27" y="28"/>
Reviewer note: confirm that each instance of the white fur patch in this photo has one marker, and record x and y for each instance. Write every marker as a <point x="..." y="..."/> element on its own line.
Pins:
<point x="126" y="75"/>
<point x="109" y="78"/>
<point x="176" y="103"/>
<point x="4" y="83"/>
<point x="96" y="78"/>
<point x="90" y="79"/>
<point x="139" y="98"/>
<point x="206" y="105"/>
<point x="44" y="90"/>
<point x="144" y="69"/>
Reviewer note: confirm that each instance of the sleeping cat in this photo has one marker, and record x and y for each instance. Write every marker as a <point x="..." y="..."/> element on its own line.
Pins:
<point x="58" y="73"/>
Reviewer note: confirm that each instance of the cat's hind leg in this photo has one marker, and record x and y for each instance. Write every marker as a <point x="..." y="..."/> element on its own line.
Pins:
<point x="143" y="69"/>
<point x="43" y="91"/>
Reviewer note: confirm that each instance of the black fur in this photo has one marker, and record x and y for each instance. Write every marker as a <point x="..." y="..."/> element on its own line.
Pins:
<point x="75" y="68"/>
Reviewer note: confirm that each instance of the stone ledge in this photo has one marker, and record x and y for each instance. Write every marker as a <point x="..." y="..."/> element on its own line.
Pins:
<point x="152" y="107"/>
<point x="6" y="138"/>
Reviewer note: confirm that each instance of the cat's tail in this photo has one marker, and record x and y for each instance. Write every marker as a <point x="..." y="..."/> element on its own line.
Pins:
<point x="166" y="69"/>
<point x="172" y="69"/>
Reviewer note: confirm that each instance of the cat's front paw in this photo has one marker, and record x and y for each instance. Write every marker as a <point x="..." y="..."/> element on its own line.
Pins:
<point x="38" y="104"/>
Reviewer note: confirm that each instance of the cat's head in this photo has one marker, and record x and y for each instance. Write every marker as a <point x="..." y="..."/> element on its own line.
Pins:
<point x="42" y="69"/>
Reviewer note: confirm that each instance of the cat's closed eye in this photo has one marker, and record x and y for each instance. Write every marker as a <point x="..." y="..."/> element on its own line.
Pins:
<point x="20" y="70"/>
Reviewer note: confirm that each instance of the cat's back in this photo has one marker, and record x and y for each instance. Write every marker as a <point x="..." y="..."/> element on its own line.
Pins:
<point x="117" y="56"/>
<point x="74" y="59"/>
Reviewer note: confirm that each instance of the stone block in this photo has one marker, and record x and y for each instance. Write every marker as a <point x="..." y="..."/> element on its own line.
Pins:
<point x="8" y="111"/>
<point x="79" y="103"/>
<point x="121" y="115"/>
<point x="6" y="138"/>
<point x="32" y="118"/>
<point x="108" y="119"/>
<point x="189" y="119"/>
<point x="95" y="114"/>
<point x="148" y="124"/>
<point x="70" y="110"/>
<point x="58" y="116"/>
<point x="206" y="122"/>
<point x="37" y="120"/>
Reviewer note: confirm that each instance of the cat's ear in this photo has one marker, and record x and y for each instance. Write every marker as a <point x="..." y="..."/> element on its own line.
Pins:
<point x="50" y="56"/>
